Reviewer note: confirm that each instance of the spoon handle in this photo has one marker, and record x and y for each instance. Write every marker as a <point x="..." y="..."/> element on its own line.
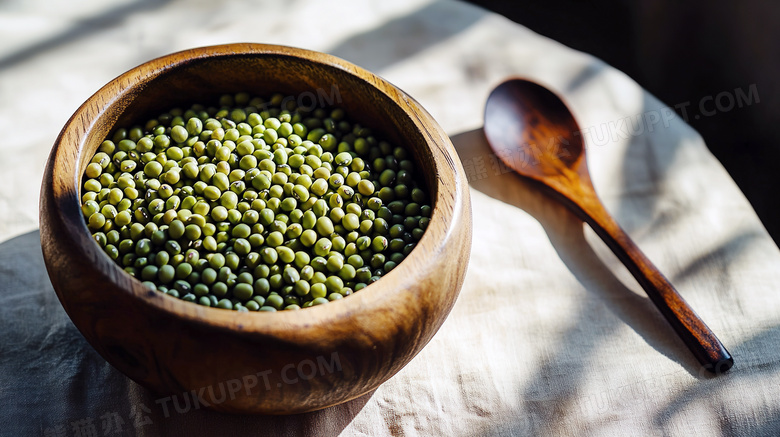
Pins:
<point x="701" y="341"/>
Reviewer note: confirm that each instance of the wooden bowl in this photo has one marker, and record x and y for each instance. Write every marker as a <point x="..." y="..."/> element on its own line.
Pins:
<point x="273" y="363"/>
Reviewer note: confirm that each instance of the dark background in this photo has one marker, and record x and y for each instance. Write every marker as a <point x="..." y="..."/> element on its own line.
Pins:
<point x="686" y="54"/>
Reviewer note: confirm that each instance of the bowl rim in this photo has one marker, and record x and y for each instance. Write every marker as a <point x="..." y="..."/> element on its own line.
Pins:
<point x="449" y="206"/>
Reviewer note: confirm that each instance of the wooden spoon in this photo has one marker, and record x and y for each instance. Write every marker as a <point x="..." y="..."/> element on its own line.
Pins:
<point x="534" y="133"/>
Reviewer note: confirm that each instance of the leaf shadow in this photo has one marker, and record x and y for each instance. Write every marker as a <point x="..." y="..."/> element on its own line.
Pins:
<point x="384" y="45"/>
<point x="759" y="361"/>
<point x="80" y="30"/>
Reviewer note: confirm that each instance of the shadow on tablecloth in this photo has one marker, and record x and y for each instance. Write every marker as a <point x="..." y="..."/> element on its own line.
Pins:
<point x="55" y="384"/>
<point x="567" y="236"/>
<point x="547" y="402"/>
<point x="553" y="393"/>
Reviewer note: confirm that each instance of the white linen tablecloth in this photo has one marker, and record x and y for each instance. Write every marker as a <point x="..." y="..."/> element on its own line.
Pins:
<point x="550" y="335"/>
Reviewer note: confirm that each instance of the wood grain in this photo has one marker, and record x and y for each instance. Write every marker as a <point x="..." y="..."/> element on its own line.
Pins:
<point x="535" y="134"/>
<point x="274" y="363"/>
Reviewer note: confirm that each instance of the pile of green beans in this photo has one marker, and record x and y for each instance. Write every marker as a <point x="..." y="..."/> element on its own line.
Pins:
<point x="251" y="206"/>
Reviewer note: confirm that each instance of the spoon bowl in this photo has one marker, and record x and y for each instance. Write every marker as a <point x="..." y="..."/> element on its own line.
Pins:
<point x="529" y="123"/>
<point x="534" y="133"/>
